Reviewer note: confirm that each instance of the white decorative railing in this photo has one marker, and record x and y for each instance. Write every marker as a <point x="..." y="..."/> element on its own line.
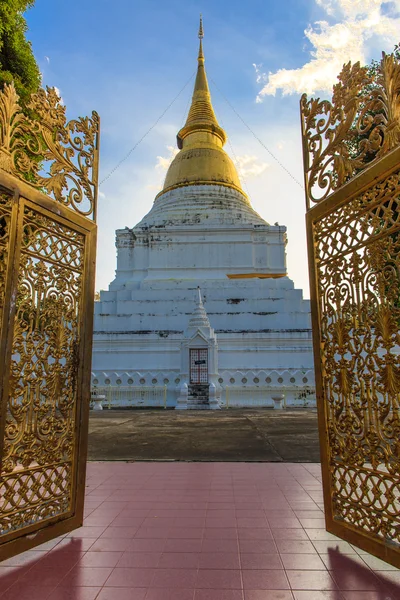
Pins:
<point x="132" y="396"/>
<point x="248" y="396"/>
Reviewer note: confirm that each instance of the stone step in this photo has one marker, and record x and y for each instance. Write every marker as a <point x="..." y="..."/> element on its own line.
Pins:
<point x="198" y="403"/>
<point x="198" y="389"/>
<point x="198" y="399"/>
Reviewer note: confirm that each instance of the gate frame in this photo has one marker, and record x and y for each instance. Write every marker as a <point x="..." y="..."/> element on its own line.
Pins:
<point x="25" y="195"/>
<point x="372" y="175"/>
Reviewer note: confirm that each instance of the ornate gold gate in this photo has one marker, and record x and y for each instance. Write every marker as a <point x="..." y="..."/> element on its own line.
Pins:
<point x="352" y="177"/>
<point x="48" y="195"/>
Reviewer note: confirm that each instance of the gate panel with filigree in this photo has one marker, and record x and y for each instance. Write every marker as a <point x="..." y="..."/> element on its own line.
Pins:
<point x="352" y="176"/>
<point x="48" y="187"/>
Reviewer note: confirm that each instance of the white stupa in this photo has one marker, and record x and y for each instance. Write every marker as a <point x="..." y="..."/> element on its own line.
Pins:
<point x="203" y="232"/>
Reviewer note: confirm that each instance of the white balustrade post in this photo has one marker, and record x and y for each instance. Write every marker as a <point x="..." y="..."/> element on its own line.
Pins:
<point x="183" y="397"/>
<point x="278" y="400"/>
<point x="212" y="397"/>
<point x="98" y="402"/>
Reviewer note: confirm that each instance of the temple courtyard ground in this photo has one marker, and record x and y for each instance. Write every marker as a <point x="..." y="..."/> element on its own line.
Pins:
<point x="200" y="531"/>
<point x="224" y="435"/>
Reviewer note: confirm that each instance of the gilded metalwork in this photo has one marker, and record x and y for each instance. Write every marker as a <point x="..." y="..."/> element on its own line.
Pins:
<point x="42" y="394"/>
<point x="47" y="252"/>
<point x="5" y="218"/>
<point x="352" y="172"/>
<point x="50" y="153"/>
<point x="360" y="125"/>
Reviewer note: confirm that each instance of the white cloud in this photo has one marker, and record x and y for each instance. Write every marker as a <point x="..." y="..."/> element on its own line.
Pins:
<point x="250" y="166"/>
<point x="260" y="75"/>
<point x="327" y="5"/>
<point x="247" y="165"/>
<point x="57" y="91"/>
<point x="346" y="35"/>
<point x="164" y="162"/>
<point x="162" y="165"/>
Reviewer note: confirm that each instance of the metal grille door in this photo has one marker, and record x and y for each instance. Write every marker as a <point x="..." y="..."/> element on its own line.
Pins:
<point x="199" y="365"/>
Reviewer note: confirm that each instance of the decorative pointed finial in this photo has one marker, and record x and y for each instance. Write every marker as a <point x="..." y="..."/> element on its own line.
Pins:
<point x="201" y="32"/>
<point x="199" y="316"/>
<point x="200" y="58"/>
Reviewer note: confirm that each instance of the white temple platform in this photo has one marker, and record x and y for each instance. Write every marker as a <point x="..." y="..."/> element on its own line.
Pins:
<point x="249" y="338"/>
<point x="261" y="322"/>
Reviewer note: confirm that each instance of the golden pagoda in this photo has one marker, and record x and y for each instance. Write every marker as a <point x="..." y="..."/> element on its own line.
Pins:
<point x="202" y="159"/>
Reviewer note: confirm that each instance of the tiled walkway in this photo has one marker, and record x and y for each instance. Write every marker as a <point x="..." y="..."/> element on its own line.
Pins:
<point x="200" y="531"/>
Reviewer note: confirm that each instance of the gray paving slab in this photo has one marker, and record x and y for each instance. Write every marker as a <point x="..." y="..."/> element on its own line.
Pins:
<point x="226" y="435"/>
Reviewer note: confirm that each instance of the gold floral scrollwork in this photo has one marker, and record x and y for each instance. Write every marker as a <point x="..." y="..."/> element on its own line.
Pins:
<point x="357" y="246"/>
<point x="359" y="125"/>
<point x="351" y="150"/>
<point x="39" y="459"/>
<point x="59" y="157"/>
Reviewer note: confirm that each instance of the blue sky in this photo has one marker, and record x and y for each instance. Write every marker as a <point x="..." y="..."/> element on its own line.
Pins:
<point x="128" y="59"/>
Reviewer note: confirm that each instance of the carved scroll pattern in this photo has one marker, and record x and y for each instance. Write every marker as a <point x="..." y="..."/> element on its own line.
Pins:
<point x="358" y="272"/>
<point x="5" y="221"/>
<point x="58" y="157"/>
<point x="360" y="125"/>
<point x="38" y="454"/>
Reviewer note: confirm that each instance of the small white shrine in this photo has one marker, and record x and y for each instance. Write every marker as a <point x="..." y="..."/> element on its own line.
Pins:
<point x="199" y="362"/>
<point x="247" y="334"/>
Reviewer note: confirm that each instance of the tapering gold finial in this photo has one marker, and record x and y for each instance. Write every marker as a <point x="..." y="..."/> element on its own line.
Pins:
<point x="201" y="32"/>
<point x="201" y="159"/>
<point x="201" y="115"/>
<point x="200" y="58"/>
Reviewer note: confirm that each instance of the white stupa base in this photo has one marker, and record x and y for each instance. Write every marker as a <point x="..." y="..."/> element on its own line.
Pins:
<point x="205" y="236"/>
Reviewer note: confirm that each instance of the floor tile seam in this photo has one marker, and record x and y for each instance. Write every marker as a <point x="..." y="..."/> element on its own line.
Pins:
<point x="23" y="572"/>
<point x="7" y="588"/>
<point x="240" y="566"/>
<point x="288" y="496"/>
<point x="380" y="578"/>
<point x="338" y="588"/>
<point x="343" y="555"/>
<point x="98" y="593"/>
<point x="118" y="514"/>
<point x="65" y="575"/>
<point x="305" y="465"/>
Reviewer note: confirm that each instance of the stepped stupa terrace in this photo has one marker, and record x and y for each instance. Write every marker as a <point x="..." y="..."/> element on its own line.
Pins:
<point x="203" y="232"/>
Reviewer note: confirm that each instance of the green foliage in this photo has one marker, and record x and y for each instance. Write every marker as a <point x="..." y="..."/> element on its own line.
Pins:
<point x="355" y="137"/>
<point x="17" y="62"/>
<point x="373" y="68"/>
<point x="391" y="290"/>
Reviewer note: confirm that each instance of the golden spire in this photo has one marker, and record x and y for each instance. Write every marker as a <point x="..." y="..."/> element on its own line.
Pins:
<point x="201" y="35"/>
<point x="201" y="115"/>
<point x="201" y="160"/>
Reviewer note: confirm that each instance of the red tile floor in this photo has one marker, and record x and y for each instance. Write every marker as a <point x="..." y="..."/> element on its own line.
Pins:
<point x="200" y="531"/>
